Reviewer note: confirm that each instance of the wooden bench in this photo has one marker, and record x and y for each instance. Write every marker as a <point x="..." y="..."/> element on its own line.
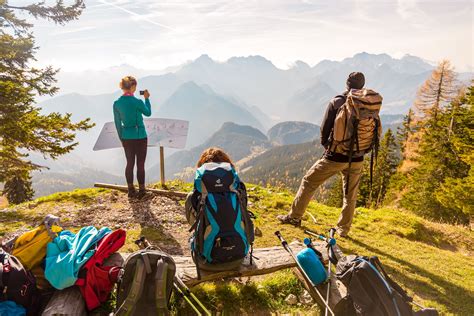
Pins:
<point x="70" y="302"/>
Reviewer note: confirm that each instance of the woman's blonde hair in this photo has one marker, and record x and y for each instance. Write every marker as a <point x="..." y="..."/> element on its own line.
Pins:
<point x="128" y="82"/>
<point x="213" y="154"/>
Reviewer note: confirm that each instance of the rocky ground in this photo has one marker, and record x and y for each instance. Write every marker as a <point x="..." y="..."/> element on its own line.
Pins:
<point x="159" y="219"/>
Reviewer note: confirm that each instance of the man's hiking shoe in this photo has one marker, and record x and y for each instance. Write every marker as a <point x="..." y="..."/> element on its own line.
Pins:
<point x="342" y="233"/>
<point x="287" y="219"/>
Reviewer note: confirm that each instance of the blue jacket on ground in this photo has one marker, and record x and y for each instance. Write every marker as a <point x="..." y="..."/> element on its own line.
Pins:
<point x="10" y="308"/>
<point x="68" y="252"/>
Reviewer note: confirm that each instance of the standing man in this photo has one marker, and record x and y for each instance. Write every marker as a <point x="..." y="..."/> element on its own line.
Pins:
<point x="331" y="163"/>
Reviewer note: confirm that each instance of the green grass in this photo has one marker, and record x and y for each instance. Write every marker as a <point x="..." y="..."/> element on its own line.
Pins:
<point x="250" y="298"/>
<point x="83" y="196"/>
<point x="433" y="261"/>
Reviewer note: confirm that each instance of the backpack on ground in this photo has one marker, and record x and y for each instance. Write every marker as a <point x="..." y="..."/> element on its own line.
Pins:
<point x="146" y="284"/>
<point x="30" y="247"/>
<point x="372" y="291"/>
<point x="357" y="127"/>
<point x="223" y="231"/>
<point x="96" y="281"/>
<point x="17" y="284"/>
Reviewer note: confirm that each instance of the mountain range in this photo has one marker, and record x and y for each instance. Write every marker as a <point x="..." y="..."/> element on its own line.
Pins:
<point x="247" y="91"/>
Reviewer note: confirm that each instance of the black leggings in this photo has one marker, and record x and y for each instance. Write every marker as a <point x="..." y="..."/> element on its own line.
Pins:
<point x="135" y="148"/>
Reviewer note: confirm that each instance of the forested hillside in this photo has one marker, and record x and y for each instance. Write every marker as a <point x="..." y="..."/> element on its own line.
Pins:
<point x="282" y="166"/>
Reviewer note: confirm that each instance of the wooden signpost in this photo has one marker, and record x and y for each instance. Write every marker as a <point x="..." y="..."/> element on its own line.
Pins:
<point x="161" y="132"/>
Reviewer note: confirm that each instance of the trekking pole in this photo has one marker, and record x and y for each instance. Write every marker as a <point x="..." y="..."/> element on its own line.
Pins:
<point x="285" y="245"/>
<point x="330" y="242"/>
<point x="187" y="292"/>
<point x="331" y="237"/>
<point x="181" y="293"/>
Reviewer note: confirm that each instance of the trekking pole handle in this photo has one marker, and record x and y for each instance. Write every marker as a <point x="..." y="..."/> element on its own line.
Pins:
<point x="315" y="234"/>
<point x="283" y="241"/>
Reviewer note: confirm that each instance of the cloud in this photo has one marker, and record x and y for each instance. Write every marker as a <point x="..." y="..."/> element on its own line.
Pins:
<point x="74" y="30"/>
<point x="167" y="32"/>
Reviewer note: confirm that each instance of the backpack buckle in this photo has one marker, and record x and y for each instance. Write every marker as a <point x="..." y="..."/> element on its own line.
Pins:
<point x="23" y="290"/>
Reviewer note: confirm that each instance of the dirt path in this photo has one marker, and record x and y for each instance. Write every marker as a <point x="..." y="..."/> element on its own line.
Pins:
<point x="160" y="219"/>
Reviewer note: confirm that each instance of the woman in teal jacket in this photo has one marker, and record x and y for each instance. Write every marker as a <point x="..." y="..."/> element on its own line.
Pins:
<point x="128" y="116"/>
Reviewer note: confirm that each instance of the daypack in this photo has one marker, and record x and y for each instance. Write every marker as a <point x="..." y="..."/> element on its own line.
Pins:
<point x="146" y="284"/>
<point x="17" y="284"/>
<point x="96" y="281"/>
<point x="30" y="247"/>
<point x="357" y="127"/>
<point x="223" y="231"/>
<point x="372" y="291"/>
<point x="68" y="252"/>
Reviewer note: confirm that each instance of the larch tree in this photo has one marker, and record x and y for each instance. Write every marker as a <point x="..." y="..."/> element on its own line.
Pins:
<point x="23" y="128"/>
<point x="437" y="91"/>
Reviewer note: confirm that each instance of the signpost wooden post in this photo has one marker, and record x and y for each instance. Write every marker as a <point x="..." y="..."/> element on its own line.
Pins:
<point x="162" y="166"/>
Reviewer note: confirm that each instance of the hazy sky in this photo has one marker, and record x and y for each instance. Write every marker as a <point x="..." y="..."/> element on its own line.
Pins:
<point x="159" y="34"/>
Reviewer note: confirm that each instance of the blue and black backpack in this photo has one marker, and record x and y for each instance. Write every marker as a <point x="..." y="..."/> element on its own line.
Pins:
<point x="223" y="231"/>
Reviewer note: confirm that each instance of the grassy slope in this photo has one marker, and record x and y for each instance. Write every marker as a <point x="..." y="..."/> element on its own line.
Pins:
<point x="433" y="261"/>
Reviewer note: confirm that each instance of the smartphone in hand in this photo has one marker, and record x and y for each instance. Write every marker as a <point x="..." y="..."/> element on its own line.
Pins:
<point x="142" y="92"/>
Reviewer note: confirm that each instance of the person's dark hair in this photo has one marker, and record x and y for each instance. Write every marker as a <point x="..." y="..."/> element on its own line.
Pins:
<point x="356" y="80"/>
<point x="213" y="154"/>
<point x="128" y="82"/>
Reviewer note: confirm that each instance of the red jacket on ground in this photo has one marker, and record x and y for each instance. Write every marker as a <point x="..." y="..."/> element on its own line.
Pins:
<point x="95" y="280"/>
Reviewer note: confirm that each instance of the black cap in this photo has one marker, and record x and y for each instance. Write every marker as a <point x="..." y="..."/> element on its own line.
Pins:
<point x="356" y="80"/>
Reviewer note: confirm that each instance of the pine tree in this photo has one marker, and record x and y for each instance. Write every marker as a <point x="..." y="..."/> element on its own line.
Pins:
<point x="405" y="131"/>
<point x="386" y="166"/>
<point x="439" y="90"/>
<point x="456" y="193"/>
<point x="442" y="161"/>
<point x="388" y="161"/>
<point x="23" y="128"/>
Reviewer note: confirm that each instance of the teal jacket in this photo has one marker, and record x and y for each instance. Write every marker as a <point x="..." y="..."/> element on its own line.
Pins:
<point x="68" y="252"/>
<point x="128" y="118"/>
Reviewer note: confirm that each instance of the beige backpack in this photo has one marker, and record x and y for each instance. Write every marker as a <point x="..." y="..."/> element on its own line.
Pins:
<point x="357" y="127"/>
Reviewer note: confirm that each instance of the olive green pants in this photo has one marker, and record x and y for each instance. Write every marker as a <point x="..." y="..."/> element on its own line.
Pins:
<point x="322" y="170"/>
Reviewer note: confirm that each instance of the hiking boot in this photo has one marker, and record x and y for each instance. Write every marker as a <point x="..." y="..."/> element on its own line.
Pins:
<point x="287" y="219"/>
<point x="342" y="233"/>
<point x="141" y="194"/>
<point x="132" y="193"/>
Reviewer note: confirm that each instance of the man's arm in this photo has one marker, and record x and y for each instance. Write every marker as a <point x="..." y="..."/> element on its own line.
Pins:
<point x="328" y="123"/>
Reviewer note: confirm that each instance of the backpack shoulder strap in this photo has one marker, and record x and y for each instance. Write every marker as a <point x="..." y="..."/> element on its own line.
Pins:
<point x="136" y="290"/>
<point x="161" y="277"/>
<point x="376" y="262"/>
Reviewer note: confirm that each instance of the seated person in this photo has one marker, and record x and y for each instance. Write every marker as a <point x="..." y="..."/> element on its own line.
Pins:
<point x="216" y="155"/>
<point x="222" y="227"/>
